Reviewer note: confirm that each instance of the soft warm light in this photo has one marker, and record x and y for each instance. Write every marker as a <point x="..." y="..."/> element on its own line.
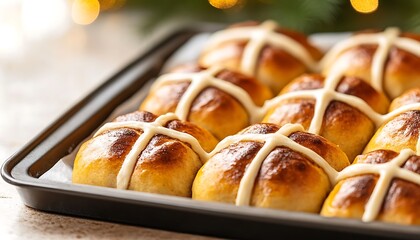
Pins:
<point x="11" y="39"/>
<point x="365" y="6"/>
<point x="84" y="12"/>
<point x="223" y="4"/>
<point x="44" y="18"/>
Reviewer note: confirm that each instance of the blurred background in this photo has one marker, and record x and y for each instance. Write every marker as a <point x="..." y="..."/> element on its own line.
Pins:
<point x="304" y="15"/>
<point x="54" y="52"/>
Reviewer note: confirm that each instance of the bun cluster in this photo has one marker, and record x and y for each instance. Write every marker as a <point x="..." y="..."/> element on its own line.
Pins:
<point x="263" y="119"/>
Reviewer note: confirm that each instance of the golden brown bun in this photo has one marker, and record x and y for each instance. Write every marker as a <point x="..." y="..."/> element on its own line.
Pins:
<point x="275" y="67"/>
<point x="350" y="195"/>
<point x="408" y="97"/>
<point x="165" y="166"/>
<point x="401" y="71"/>
<point x="287" y="179"/>
<point x="402" y="131"/>
<point x="343" y="125"/>
<point x="213" y="109"/>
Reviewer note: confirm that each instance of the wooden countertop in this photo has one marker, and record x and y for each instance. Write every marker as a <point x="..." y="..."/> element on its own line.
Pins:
<point x="40" y="78"/>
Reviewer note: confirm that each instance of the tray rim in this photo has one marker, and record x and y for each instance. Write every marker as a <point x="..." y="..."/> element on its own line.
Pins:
<point x="16" y="171"/>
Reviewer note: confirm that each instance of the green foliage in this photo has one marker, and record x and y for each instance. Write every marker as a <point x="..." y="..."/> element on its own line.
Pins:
<point x="305" y="15"/>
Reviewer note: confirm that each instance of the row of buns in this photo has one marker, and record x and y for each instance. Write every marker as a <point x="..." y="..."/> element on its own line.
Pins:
<point x="264" y="119"/>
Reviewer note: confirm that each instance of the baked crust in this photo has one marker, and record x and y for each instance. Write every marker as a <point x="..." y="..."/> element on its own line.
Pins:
<point x="342" y="124"/>
<point x="286" y="180"/>
<point x="275" y="67"/>
<point x="401" y="71"/>
<point x="165" y="166"/>
<point x="349" y="196"/>
<point x="402" y="131"/>
<point x="213" y="109"/>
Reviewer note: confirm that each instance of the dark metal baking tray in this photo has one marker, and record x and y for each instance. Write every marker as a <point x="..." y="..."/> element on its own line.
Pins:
<point x="152" y="210"/>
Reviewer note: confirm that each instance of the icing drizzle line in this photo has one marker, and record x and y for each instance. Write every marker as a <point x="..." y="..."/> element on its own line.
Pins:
<point x="204" y="79"/>
<point x="257" y="37"/>
<point x="387" y="172"/>
<point x="323" y="96"/>
<point x="385" y="40"/>
<point x="149" y="129"/>
<point x="271" y="141"/>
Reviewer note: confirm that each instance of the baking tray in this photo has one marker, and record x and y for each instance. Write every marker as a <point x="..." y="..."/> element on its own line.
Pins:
<point x="24" y="168"/>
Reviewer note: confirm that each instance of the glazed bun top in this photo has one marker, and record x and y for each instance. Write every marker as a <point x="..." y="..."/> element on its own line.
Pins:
<point x="268" y="166"/>
<point x="347" y="85"/>
<point x="388" y="60"/>
<point x="383" y="183"/>
<point x="337" y="108"/>
<point x="400" y="128"/>
<point x="204" y="138"/>
<point x="321" y="146"/>
<point x="409" y="97"/>
<point x="258" y="92"/>
<point x="272" y="54"/>
<point x="220" y="100"/>
<point x="134" y="132"/>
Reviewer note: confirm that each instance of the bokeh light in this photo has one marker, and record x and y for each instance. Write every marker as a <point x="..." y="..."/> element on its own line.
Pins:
<point x="365" y="6"/>
<point x="85" y="12"/>
<point x="223" y="4"/>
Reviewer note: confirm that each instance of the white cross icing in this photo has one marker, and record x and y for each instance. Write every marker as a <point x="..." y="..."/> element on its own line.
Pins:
<point x="149" y="129"/>
<point x="202" y="80"/>
<point x="271" y="141"/>
<point x="323" y="96"/>
<point x="385" y="40"/>
<point x="387" y="172"/>
<point x="259" y="36"/>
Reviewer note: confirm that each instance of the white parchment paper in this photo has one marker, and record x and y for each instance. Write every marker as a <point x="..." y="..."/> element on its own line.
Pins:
<point x="62" y="170"/>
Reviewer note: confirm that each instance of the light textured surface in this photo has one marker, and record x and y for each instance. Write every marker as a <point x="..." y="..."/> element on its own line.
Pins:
<point x="39" y="81"/>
